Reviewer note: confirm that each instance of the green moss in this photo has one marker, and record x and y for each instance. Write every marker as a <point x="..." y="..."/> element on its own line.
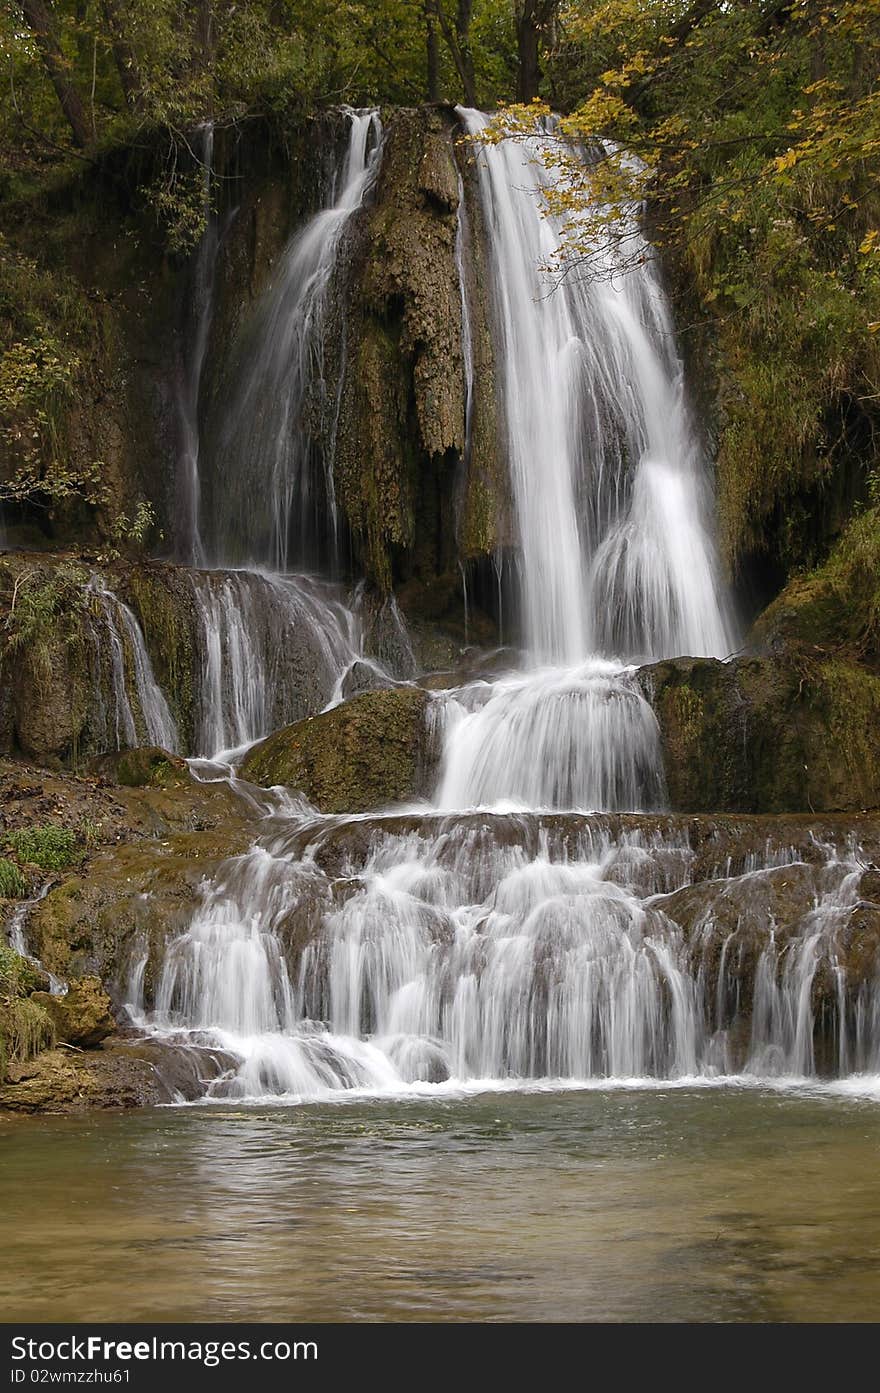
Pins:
<point x="25" y="1030"/>
<point x="25" y="1026"/>
<point x="146" y="767"/>
<point x="13" y="885"/>
<point x="837" y="605"/>
<point x="367" y="753"/>
<point x="51" y="847"/>
<point x="164" y="606"/>
<point x="767" y="735"/>
<point x="846" y="700"/>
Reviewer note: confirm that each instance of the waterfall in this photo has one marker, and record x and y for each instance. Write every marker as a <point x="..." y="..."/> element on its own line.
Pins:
<point x="563" y="738"/>
<point x="605" y="466"/>
<point x="491" y="939"/>
<point x="275" y="649"/>
<point x="119" y="636"/>
<point x="461" y="949"/>
<point x="274" y="454"/>
<point x="616" y="563"/>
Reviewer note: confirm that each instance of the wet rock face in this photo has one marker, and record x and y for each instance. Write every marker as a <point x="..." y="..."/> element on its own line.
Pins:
<point x="121" y="1073"/>
<point x="767" y="735"/>
<point x="82" y="1016"/>
<point x="398" y="469"/>
<point x="369" y="752"/>
<point x="806" y="934"/>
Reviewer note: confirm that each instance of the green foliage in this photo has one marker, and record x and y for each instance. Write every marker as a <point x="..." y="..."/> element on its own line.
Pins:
<point x="45" y="322"/>
<point x="45" y="608"/>
<point x="13" y="885"/>
<point x="53" y="848"/>
<point x="25" y="1026"/>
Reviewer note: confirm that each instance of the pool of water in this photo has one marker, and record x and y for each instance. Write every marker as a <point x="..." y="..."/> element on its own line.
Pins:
<point x="625" y="1204"/>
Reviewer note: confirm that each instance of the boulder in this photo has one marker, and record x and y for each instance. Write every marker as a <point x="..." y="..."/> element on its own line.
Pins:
<point x="767" y="734"/>
<point x="82" y="1016"/>
<point x="147" y="766"/>
<point x="369" y="752"/>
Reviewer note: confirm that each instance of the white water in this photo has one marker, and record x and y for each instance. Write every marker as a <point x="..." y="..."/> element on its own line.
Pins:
<point x="190" y="487"/>
<point x="616" y="562"/>
<point x="557" y="738"/>
<point x="275" y="649"/>
<point x="467" y="949"/>
<point x="605" y="466"/>
<point x="119" y="637"/>
<point x="277" y="494"/>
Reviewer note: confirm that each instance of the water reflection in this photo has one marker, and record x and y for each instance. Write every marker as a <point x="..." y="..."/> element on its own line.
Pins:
<point x="656" y="1205"/>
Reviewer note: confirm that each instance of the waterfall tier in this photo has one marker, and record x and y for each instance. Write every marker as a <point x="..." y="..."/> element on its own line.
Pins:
<point x="386" y="954"/>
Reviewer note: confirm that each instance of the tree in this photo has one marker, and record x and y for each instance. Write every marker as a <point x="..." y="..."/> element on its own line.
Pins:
<point x="456" y="33"/>
<point x="534" y="20"/>
<point x="432" y="49"/>
<point x="41" y="20"/>
<point x="124" y="55"/>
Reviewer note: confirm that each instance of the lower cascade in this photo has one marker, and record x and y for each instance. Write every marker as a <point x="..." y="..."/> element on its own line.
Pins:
<point x="340" y="955"/>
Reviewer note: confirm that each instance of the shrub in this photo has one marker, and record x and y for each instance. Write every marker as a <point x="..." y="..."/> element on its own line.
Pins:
<point x="50" y="847"/>
<point x="13" y="885"/>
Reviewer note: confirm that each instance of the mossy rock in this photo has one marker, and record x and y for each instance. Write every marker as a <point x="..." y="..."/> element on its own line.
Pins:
<point x="83" y="1016"/>
<point x="369" y="752"/>
<point x="147" y="767"/>
<point x="835" y="607"/>
<point x="767" y="735"/>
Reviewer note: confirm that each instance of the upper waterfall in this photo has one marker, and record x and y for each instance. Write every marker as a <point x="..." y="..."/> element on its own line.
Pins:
<point x="606" y="468"/>
<point x="274" y="455"/>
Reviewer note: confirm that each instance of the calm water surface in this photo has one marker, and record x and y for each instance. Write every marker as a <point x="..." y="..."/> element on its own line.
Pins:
<point x="660" y="1204"/>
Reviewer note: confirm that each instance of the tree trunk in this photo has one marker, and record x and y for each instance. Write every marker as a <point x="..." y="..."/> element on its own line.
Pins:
<point x="433" y="51"/>
<point x="459" y="45"/>
<point x="528" y="73"/>
<point x="123" y="54"/>
<point x="39" y="17"/>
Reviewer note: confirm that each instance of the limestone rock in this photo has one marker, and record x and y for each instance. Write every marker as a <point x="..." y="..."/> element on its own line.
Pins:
<point x="366" y="753"/>
<point x="82" y="1016"/>
<point x="767" y="734"/>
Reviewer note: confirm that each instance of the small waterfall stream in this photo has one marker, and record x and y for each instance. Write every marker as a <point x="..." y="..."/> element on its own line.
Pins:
<point x="275" y="648"/>
<point x="119" y="636"/>
<point x="274" y="457"/>
<point x="189" y="526"/>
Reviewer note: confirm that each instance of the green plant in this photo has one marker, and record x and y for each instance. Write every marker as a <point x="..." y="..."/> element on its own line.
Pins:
<point x="25" y="1026"/>
<point x="51" y="847"/>
<point x="43" y="607"/>
<point x="13" y="885"/>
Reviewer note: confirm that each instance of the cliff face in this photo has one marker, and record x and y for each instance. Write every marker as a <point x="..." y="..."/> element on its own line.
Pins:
<point x="417" y="468"/>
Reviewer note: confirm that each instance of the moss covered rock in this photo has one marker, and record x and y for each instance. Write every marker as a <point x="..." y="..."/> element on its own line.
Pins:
<point x="83" y="1016"/>
<point x="366" y="753"/>
<point x="148" y="766"/>
<point x="836" y="607"/>
<point x="767" y="734"/>
<point x="412" y="500"/>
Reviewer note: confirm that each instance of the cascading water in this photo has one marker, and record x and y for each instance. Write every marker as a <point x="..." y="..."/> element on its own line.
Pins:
<point x="275" y="649"/>
<point x="616" y="562"/>
<point x="470" y="949"/>
<point x="597" y="434"/>
<point x="202" y="305"/>
<point x="274" y="456"/>
<point x="119" y="637"/>
<point x="456" y="946"/>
